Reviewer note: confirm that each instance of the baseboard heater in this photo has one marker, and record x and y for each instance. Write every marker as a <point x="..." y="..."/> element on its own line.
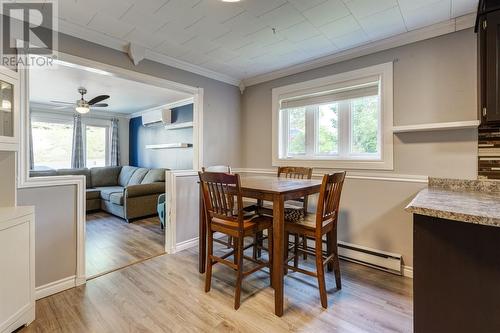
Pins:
<point x="386" y="261"/>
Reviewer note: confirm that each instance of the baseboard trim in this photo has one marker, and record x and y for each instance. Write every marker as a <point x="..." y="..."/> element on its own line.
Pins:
<point x="408" y="272"/>
<point x="55" y="287"/>
<point x="186" y="245"/>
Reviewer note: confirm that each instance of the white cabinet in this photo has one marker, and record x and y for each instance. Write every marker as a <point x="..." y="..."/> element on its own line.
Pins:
<point x="17" y="267"/>
<point x="9" y="110"/>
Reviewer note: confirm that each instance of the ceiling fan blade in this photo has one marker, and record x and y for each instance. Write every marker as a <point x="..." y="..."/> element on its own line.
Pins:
<point x="98" y="99"/>
<point x="100" y="105"/>
<point x="60" y="102"/>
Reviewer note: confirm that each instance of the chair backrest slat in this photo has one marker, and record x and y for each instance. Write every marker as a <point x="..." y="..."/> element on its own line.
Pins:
<point x="297" y="173"/>
<point x="329" y="199"/>
<point x="219" y="191"/>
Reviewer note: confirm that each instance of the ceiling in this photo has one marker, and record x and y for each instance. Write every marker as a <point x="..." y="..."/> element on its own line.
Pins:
<point x="251" y="37"/>
<point x="126" y="96"/>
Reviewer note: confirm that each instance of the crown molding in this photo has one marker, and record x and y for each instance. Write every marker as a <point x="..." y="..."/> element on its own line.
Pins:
<point x="435" y="30"/>
<point x="90" y="35"/>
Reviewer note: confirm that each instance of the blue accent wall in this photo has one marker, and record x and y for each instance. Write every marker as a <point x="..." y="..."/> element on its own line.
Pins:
<point x="134" y="125"/>
<point x="140" y="136"/>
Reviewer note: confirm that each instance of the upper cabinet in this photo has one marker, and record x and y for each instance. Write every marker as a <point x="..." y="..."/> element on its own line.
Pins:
<point x="9" y="110"/>
<point x="488" y="29"/>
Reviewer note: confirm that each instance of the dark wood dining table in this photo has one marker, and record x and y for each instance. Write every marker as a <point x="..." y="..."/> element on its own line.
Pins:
<point x="276" y="190"/>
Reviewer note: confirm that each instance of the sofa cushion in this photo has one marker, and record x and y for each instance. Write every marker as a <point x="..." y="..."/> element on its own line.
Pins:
<point x="93" y="193"/>
<point x="153" y="176"/>
<point x="77" y="172"/>
<point x="138" y="176"/>
<point x="116" y="198"/>
<point x="105" y="176"/>
<point x="107" y="191"/>
<point x="125" y="175"/>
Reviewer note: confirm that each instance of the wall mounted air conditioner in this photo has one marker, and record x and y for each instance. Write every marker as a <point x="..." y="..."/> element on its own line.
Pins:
<point x="157" y="118"/>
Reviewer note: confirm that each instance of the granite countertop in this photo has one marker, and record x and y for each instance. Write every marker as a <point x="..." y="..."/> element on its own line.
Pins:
<point x="470" y="201"/>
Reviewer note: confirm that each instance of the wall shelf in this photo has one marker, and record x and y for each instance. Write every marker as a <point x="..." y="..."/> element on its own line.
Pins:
<point x="169" y="146"/>
<point x="455" y="125"/>
<point x="188" y="124"/>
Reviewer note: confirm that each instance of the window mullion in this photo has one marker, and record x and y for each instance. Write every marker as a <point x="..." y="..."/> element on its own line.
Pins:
<point x="310" y="130"/>
<point x="344" y="125"/>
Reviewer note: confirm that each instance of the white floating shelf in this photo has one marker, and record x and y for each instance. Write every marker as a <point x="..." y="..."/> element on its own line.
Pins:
<point x="455" y="125"/>
<point x="168" y="146"/>
<point x="179" y="125"/>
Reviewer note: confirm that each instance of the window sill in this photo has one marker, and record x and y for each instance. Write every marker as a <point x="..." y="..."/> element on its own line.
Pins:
<point x="335" y="164"/>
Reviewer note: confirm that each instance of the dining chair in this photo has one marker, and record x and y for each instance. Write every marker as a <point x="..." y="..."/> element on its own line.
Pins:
<point x="294" y="209"/>
<point x="223" y="197"/>
<point x="324" y="222"/>
<point x="224" y="169"/>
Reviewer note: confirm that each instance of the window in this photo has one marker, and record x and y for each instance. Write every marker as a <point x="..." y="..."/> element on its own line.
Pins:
<point x="341" y="121"/>
<point x="96" y="146"/>
<point x="52" y="142"/>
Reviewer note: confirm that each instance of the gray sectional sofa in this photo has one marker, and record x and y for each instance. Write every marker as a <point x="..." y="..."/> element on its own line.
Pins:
<point x="128" y="192"/>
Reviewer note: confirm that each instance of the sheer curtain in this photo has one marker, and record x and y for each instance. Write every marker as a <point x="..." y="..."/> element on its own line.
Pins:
<point x="115" y="143"/>
<point x="77" y="156"/>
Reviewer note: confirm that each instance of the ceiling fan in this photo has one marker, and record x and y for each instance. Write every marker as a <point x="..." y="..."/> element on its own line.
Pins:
<point x="83" y="106"/>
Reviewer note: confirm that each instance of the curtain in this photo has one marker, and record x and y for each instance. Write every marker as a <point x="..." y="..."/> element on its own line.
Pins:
<point x="77" y="156"/>
<point x="115" y="143"/>
<point x="30" y="138"/>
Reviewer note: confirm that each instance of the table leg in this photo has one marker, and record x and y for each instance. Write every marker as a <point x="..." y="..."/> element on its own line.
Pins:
<point x="278" y="244"/>
<point x="202" y="240"/>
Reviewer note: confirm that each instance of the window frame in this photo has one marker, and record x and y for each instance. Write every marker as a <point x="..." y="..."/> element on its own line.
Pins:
<point x="59" y="118"/>
<point x="107" y="150"/>
<point x="385" y="162"/>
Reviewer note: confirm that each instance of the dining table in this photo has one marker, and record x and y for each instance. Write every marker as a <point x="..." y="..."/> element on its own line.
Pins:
<point x="278" y="191"/>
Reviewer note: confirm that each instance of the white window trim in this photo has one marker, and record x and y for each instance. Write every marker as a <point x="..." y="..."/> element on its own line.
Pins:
<point x="86" y="121"/>
<point x="386" y="161"/>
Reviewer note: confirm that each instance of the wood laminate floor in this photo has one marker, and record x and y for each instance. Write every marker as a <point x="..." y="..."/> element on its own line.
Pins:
<point x="165" y="294"/>
<point x="112" y="243"/>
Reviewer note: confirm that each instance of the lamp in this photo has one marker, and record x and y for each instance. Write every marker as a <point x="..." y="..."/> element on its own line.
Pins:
<point x="82" y="106"/>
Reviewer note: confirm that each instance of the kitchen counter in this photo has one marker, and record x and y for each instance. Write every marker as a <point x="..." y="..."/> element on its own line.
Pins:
<point x="455" y="256"/>
<point x="459" y="200"/>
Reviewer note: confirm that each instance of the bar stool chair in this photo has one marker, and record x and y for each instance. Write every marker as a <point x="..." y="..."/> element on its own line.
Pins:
<point x="324" y="222"/>
<point x="219" y="193"/>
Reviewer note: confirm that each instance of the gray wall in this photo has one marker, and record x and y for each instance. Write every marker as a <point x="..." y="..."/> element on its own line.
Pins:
<point x="434" y="81"/>
<point x="55" y="231"/>
<point x="56" y="228"/>
<point x="7" y="178"/>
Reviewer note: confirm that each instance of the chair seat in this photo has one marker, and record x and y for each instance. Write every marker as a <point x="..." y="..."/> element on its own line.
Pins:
<point x="250" y="226"/>
<point x="306" y="225"/>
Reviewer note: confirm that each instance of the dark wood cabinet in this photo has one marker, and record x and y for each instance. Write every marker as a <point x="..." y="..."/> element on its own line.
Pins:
<point x="488" y="29"/>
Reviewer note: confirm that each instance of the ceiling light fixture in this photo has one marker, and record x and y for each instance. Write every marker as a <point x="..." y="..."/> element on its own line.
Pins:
<point x="82" y="106"/>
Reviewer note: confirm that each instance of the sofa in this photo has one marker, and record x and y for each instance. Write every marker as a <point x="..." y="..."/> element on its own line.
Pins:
<point x="125" y="191"/>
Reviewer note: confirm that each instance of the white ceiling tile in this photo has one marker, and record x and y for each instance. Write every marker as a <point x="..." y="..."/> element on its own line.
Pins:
<point x="112" y="8"/>
<point x="143" y="18"/>
<point x="145" y="38"/>
<point x="265" y="37"/>
<point x="363" y="8"/>
<point x="172" y="49"/>
<point x="149" y="6"/>
<point x="110" y="25"/>
<point x="245" y="24"/>
<point x="340" y="27"/>
<point x="317" y="46"/>
<point x="326" y="12"/>
<point x="420" y="16"/>
<point x="383" y="24"/>
<point x="302" y="5"/>
<point x="222" y="54"/>
<point x="220" y="12"/>
<point x="260" y="7"/>
<point x="76" y="12"/>
<point x="282" y="17"/>
<point x="351" y="39"/>
<point x="300" y="32"/>
<point x="462" y="7"/>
